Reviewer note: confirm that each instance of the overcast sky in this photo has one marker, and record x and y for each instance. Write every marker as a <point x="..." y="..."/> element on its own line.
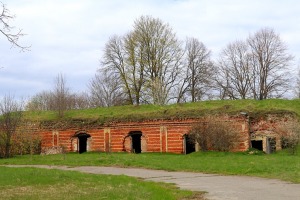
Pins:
<point x="68" y="36"/>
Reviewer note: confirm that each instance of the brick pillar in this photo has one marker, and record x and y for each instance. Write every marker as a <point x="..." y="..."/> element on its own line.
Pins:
<point x="55" y="138"/>
<point x="143" y="144"/>
<point x="107" y="140"/>
<point x="163" y="139"/>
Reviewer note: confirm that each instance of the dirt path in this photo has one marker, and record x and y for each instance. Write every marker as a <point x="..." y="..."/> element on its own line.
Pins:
<point x="218" y="186"/>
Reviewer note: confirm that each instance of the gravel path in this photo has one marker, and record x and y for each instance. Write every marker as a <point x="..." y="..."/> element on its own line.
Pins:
<point x="218" y="187"/>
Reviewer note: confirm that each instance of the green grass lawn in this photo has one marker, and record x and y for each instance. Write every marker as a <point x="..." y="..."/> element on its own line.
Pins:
<point x="280" y="165"/>
<point x="34" y="183"/>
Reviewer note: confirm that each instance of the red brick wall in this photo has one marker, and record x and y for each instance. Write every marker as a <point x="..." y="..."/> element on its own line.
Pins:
<point x="157" y="136"/>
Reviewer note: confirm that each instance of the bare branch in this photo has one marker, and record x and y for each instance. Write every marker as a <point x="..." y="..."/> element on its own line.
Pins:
<point x="270" y="62"/>
<point x="9" y="31"/>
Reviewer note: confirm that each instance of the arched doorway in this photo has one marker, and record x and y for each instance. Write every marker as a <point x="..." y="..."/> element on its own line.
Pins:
<point x="82" y="144"/>
<point x="133" y="142"/>
<point x="188" y="144"/>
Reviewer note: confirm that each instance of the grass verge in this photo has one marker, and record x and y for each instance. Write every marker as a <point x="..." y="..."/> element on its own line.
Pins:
<point x="280" y="165"/>
<point x="34" y="183"/>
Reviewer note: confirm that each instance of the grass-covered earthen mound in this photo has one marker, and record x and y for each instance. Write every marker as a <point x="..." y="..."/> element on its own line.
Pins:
<point x="253" y="108"/>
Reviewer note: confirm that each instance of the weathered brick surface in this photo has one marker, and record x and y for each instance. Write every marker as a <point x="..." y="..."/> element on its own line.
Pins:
<point x="157" y="136"/>
<point x="266" y="127"/>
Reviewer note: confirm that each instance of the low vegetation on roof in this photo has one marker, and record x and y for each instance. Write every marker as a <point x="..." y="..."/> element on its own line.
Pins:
<point x="253" y="108"/>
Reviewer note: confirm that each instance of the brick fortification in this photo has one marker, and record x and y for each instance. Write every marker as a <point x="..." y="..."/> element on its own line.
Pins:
<point x="145" y="136"/>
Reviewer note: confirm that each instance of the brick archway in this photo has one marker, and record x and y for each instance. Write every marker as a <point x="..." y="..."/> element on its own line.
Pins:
<point x="82" y="141"/>
<point x="134" y="142"/>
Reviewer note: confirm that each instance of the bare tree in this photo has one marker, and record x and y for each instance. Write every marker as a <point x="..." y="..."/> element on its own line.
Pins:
<point x="235" y="71"/>
<point x="113" y="63"/>
<point x="270" y="62"/>
<point x="146" y="57"/>
<point x="105" y="90"/>
<point x="11" y="114"/>
<point x="160" y="54"/>
<point x="46" y="100"/>
<point x="41" y="101"/>
<point x="135" y="65"/>
<point x="256" y="68"/>
<point x="297" y="84"/>
<point x="79" y="100"/>
<point x="8" y="31"/>
<point x="198" y="71"/>
<point x="60" y="94"/>
<point x="223" y="85"/>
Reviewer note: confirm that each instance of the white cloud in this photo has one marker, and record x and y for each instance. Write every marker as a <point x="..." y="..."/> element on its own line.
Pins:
<point x="67" y="36"/>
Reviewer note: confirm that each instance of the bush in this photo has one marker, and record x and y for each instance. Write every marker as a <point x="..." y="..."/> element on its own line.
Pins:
<point x="290" y="135"/>
<point x="21" y="143"/>
<point x="26" y="143"/>
<point x="214" y="135"/>
<point x="2" y="145"/>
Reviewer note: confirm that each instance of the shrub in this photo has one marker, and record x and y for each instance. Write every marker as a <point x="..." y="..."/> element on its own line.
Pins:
<point x="290" y="135"/>
<point x="214" y="135"/>
<point x="22" y="143"/>
<point x="199" y="134"/>
<point x="2" y="145"/>
<point x="26" y="143"/>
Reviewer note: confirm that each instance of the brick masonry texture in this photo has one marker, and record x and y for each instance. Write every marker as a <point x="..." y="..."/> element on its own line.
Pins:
<point x="155" y="136"/>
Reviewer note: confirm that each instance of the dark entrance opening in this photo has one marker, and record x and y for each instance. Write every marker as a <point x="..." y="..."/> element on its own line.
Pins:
<point x="189" y="144"/>
<point x="257" y="144"/>
<point x="136" y="141"/>
<point x="82" y="142"/>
